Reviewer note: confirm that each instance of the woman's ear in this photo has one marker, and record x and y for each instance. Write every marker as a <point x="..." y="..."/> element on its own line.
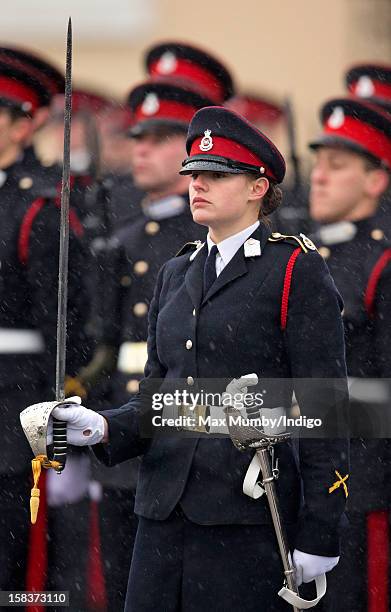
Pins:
<point x="258" y="188"/>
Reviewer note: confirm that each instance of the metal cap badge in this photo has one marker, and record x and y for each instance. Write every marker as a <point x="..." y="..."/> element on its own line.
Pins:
<point x="206" y="143"/>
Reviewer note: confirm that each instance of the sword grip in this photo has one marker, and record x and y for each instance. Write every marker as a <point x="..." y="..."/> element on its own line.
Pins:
<point x="60" y="445"/>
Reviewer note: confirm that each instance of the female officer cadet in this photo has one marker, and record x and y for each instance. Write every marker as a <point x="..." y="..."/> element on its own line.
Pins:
<point x="245" y="301"/>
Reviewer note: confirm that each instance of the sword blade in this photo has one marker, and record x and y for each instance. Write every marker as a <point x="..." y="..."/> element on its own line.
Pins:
<point x="64" y="227"/>
<point x="59" y="427"/>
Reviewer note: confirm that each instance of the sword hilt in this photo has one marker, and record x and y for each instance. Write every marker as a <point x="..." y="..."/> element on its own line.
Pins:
<point x="60" y="444"/>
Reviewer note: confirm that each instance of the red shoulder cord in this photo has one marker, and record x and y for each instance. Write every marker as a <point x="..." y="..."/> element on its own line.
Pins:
<point x="374" y="277"/>
<point x="28" y="220"/>
<point x="25" y="229"/>
<point x="287" y="287"/>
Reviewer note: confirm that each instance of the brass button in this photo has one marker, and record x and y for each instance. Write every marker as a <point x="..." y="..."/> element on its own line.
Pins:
<point x="152" y="228"/>
<point x="377" y="234"/>
<point x="189" y="344"/>
<point x="190" y="381"/>
<point x="325" y="252"/>
<point x="194" y="312"/>
<point x="141" y="267"/>
<point x="26" y="182"/>
<point x="132" y="385"/>
<point x="276" y="235"/>
<point x="140" y="309"/>
<point x="126" y="281"/>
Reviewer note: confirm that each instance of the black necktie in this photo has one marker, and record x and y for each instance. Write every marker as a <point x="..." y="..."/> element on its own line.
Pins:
<point x="210" y="269"/>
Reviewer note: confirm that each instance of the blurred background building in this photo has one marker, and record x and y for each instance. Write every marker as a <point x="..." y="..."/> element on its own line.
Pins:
<point x="298" y="49"/>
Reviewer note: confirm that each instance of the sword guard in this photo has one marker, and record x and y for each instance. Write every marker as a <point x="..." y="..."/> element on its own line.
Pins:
<point x="35" y="421"/>
<point x="247" y="436"/>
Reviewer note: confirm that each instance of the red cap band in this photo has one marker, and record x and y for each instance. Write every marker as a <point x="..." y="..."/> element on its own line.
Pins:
<point x="367" y="136"/>
<point x="223" y="147"/>
<point x="193" y="74"/>
<point x="380" y="90"/>
<point x="18" y="92"/>
<point x="167" y="109"/>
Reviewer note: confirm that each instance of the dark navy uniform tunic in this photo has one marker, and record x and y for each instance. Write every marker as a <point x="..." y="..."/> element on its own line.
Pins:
<point x="353" y="252"/>
<point x="351" y="258"/>
<point x="189" y="497"/>
<point x="29" y="247"/>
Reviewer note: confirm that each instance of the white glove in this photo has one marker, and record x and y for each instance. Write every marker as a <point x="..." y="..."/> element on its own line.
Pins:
<point x="308" y="567"/>
<point x="84" y="427"/>
<point x="236" y="389"/>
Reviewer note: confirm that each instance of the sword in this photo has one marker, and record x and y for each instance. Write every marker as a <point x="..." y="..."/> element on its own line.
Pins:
<point x="59" y="427"/>
<point x="245" y="437"/>
<point x="35" y="418"/>
<point x="269" y="475"/>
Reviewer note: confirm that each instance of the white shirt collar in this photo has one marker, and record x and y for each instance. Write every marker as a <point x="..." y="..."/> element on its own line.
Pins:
<point x="228" y="247"/>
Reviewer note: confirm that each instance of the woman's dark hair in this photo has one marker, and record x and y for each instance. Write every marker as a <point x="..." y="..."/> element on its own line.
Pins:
<point x="270" y="202"/>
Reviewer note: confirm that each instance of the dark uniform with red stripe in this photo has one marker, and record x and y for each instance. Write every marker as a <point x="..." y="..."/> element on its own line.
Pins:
<point x="29" y="227"/>
<point x="198" y="482"/>
<point x="201" y="543"/>
<point x="29" y="245"/>
<point x="360" y="265"/>
<point x="359" y="259"/>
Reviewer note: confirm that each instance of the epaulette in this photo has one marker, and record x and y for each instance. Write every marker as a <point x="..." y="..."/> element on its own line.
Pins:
<point x="303" y="241"/>
<point x="189" y="246"/>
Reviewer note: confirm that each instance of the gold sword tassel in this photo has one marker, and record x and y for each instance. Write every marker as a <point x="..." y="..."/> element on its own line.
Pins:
<point x="36" y="464"/>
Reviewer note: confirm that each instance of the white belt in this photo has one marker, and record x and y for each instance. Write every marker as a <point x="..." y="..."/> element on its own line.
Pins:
<point x="21" y="341"/>
<point x="132" y="357"/>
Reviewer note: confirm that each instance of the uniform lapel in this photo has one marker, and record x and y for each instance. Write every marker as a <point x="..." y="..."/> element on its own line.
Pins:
<point x="194" y="276"/>
<point x="238" y="265"/>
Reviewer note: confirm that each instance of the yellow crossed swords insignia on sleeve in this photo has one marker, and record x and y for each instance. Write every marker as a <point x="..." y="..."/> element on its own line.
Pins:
<point x="339" y="482"/>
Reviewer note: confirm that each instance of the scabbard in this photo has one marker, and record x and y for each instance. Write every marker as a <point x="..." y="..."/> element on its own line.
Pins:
<point x="268" y="483"/>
